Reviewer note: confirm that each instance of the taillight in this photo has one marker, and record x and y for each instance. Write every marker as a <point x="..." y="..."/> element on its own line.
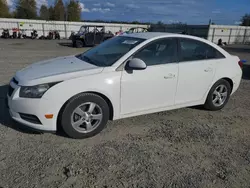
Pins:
<point x="240" y="64"/>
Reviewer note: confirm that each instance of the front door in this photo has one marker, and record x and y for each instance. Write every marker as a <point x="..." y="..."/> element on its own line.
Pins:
<point x="154" y="87"/>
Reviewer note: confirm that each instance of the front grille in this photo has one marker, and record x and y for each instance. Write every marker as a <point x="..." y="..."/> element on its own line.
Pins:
<point x="10" y="90"/>
<point x="30" y="118"/>
<point x="15" y="81"/>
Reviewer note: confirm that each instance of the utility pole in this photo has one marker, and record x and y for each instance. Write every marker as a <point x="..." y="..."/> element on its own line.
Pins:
<point x="210" y="21"/>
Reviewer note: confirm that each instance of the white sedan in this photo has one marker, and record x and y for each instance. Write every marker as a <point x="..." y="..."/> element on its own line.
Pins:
<point x="125" y="76"/>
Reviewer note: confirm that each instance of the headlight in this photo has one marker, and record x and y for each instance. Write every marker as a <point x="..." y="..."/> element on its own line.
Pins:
<point x="35" y="91"/>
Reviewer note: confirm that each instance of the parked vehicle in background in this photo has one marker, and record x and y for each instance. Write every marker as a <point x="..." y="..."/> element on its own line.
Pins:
<point x="57" y="35"/>
<point x="34" y="34"/>
<point x="5" y="33"/>
<point x="132" y="30"/>
<point x="90" y="35"/>
<point x="14" y="32"/>
<point x="71" y="35"/>
<point x="22" y="33"/>
<point x="125" y="76"/>
<point x="137" y="30"/>
<point x="51" y="35"/>
<point x="118" y="33"/>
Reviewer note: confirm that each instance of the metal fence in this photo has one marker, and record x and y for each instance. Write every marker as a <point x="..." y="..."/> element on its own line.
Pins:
<point x="64" y="28"/>
<point x="196" y="30"/>
<point x="229" y="34"/>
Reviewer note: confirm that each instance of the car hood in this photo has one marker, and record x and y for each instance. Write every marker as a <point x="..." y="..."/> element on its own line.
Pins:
<point x="56" y="69"/>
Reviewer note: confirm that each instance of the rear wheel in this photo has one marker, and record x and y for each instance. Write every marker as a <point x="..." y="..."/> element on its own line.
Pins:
<point x="85" y="115"/>
<point x="218" y="96"/>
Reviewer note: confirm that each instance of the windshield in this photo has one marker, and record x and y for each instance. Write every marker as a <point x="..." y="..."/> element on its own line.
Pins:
<point x="83" y="29"/>
<point x="108" y="52"/>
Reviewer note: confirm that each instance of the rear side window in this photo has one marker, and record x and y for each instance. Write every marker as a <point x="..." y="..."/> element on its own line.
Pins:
<point x="192" y="50"/>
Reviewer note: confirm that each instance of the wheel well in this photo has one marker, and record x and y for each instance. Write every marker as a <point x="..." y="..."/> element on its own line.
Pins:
<point x="111" y="109"/>
<point x="230" y="82"/>
<point x="81" y="40"/>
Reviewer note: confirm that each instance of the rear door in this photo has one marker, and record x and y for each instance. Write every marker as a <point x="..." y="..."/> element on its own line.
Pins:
<point x="89" y="38"/>
<point x="99" y="37"/>
<point x="197" y="66"/>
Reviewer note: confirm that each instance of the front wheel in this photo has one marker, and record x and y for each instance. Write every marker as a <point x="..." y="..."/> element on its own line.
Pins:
<point x="79" y="44"/>
<point x="85" y="115"/>
<point x="218" y="95"/>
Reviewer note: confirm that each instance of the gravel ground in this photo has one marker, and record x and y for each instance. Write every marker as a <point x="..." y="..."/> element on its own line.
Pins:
<point x="184" y="148"/>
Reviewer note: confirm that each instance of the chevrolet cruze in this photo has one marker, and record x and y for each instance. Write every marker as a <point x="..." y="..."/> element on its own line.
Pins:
<point x="125" y="76"/>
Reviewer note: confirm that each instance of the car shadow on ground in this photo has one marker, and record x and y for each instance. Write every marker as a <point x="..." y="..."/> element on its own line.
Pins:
<point x="5" y="119"/>
<point x="69" y="44"/>
<point x="66" y="44"/>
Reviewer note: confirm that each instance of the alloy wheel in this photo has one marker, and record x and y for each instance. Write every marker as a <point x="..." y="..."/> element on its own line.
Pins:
<point x="220" y="95"/>
<point x="86" y="117"/>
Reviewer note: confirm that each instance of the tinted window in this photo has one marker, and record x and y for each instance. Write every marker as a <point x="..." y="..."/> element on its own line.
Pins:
<point x="159" y="52"/>
<point x="108" y="52"/>
<point x="192" y="50"/>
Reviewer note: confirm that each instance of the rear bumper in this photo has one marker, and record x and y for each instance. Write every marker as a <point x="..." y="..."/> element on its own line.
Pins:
<point x="236" y="82"/>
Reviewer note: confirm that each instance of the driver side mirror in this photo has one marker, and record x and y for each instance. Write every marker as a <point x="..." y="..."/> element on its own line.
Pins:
<point x="136" y="64"/>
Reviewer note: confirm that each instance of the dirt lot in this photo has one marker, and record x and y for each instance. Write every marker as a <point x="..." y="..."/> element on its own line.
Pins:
<point x="185" y="148"/>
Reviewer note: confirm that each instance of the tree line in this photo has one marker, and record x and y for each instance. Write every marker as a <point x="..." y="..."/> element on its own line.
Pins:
<point x="27" y="9"/>
<point x="245" y="20"/>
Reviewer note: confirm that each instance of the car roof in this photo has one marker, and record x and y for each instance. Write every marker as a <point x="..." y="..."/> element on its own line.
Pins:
<point x="149" y="35"/>
<point x="157" y="35"/>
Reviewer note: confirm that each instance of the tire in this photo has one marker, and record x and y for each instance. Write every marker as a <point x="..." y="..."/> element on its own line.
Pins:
<point x="79" y="44"/>
<point x="70" y="116"/>
<point x="217" y="101"/>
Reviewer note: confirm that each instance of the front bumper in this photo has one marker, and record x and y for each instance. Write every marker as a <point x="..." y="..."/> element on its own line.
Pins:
<point x="36" y="107"/>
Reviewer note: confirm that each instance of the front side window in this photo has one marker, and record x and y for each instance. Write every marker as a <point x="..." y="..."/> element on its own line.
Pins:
<point x="162" y="51"/>
<point x="192" y="50"/>
<point x="108" y="52"/>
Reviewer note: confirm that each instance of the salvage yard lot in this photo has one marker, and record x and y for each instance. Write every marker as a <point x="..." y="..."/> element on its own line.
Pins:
<point x="188" y="147"/>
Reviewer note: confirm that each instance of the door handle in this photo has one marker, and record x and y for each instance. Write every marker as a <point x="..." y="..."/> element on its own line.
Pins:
<point x="169" y="76"/>
<point x="209" y="69"/>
